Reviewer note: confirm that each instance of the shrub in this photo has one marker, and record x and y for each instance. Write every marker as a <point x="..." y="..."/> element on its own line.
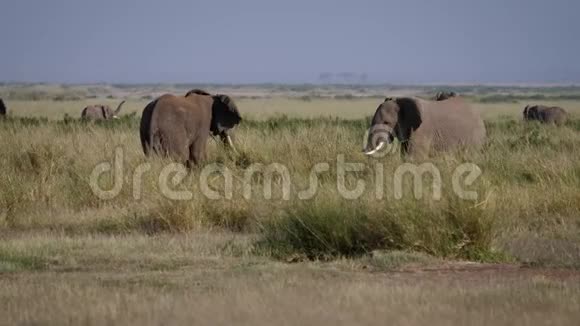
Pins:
<point x="328" y="229"/>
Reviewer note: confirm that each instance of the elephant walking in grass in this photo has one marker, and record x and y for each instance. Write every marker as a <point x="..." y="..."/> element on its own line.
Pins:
<point x="2" y="108"/>
<point x="101" y="112"/>
<point x="421" y="126"/>
<point x="546" y="114"/>
<point x="178" y="126"/>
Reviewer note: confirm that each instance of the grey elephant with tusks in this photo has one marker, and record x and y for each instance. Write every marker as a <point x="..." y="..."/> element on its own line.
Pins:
<point x="178" y="126"/>
<point x="422" y="126"/>
<point x="101" y="112"/>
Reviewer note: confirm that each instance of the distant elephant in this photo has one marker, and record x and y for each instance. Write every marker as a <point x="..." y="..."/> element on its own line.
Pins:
<point x="546" y="114"/>
<point x="101" y="112"/>
<point x="178" y="126"/>
<point x="2" y="108"/>
<point x="442" y="96"/>
<point x="421" y="125"/>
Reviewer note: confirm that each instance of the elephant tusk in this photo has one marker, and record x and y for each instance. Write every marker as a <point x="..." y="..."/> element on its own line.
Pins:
<point x="378" y="148"/>
<point x="231" y="143"/>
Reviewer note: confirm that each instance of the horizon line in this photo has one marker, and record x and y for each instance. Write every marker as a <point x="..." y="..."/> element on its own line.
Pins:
<point x="306" y="83"/>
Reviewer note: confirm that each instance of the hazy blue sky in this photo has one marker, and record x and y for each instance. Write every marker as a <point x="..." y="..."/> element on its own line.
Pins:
<point x="403" y="41"/>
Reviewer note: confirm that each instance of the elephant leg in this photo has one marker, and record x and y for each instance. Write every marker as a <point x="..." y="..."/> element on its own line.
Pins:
<point x="180" y="153"/>
<point x="146" y="144"/>
<point x="197" y="152"/>
<point x="174" y="145"/>
<point x="419" y="146"/>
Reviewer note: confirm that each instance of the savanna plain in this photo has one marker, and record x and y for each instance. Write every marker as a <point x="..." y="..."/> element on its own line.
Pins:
<point x="509" y="256"/>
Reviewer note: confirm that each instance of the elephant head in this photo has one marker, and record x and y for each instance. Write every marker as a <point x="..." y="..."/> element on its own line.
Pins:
<point x="225" y="116"/>
<point x="394" y="118"/>
<point x="531" y="112"/>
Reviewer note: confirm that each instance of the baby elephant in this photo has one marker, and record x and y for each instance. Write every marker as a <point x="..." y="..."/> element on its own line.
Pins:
<point x="178" y="126"/>
<point x="101" y="112"/>
<point x="546" y="114"/>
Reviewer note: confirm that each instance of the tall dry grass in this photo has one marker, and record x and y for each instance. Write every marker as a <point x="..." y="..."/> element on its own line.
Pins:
<point x="529" y="189"/>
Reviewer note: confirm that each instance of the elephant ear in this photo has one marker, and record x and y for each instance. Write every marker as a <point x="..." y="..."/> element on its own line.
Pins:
<point x="409" y="113"/>
<point x="225" y="114"/>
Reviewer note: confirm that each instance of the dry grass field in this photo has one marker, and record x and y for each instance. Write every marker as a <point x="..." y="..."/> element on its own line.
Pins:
<point x="67" y="257"/>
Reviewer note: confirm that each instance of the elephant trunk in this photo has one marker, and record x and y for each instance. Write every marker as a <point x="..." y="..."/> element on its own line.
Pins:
<point x="379" y="137"/>
<point x="118" y="108"/>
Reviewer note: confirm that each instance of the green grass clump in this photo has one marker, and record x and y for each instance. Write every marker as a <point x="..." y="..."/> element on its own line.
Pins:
<point x="329" y="229"/>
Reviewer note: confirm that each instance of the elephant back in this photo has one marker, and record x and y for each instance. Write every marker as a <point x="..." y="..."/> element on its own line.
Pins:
<point x="453" y="122"/>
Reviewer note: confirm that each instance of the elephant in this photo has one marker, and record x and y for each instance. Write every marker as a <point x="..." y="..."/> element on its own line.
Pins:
<point x="422" y="125"/>
<point x="2" y="108"/>
<point x="178" y="126"/>
<point x="101" y="112"/>
<point x="545" y="114"/>
<point x="442" y="96"/>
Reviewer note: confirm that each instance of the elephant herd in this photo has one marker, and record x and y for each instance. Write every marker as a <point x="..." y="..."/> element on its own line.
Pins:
<point x="179" y="126"/>
<point x="447" y="122"/>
